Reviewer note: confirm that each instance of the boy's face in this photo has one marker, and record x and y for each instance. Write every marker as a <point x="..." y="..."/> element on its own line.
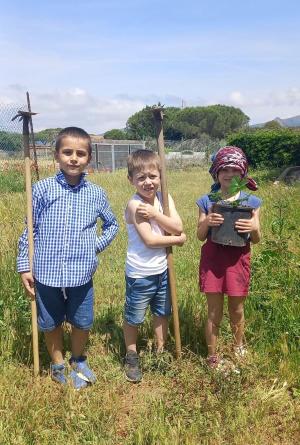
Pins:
<point x="73" y="157"/>
<point x="146" y="182"/>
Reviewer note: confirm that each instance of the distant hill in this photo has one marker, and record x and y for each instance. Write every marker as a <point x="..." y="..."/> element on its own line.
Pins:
<point x="289" y="122"/>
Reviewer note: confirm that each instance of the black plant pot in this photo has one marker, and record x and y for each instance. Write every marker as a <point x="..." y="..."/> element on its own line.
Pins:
<point x="226" y="233"/>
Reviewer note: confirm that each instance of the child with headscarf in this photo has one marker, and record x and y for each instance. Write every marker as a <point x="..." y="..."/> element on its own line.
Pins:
<point x="226" y="269"/>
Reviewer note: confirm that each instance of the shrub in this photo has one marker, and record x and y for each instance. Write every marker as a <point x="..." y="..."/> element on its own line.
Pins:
<point x="269" y="147"/>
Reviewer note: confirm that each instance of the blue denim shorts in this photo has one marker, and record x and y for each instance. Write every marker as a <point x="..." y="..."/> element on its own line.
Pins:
<point x="150" y="291"/>
<point x="72" y="304"/>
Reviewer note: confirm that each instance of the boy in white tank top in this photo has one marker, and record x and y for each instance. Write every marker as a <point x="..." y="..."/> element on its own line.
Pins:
<point x="146" y="262"/>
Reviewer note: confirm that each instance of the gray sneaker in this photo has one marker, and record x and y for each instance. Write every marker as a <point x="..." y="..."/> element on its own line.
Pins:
<point x="57" y="372"/>
<point x="132" y="370"/>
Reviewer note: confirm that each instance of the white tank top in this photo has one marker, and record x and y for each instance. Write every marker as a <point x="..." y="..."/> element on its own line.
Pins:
<point x="143" y="261"/>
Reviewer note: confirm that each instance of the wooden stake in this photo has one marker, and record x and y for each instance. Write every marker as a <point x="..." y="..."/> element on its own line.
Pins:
<point x="158" y="116"/>
<point x="32" y="139"/>
<point x="25" y="115"/>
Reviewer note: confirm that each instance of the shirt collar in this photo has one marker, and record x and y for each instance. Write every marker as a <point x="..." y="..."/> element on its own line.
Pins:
<point x="60" y="177"/>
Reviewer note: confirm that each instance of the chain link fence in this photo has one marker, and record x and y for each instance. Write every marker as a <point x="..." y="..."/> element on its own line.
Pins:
<point x="189" y="152"/>
<point x="107" y="155"/>
<point x="11" y="142"/>
<point x="113" y="155"/>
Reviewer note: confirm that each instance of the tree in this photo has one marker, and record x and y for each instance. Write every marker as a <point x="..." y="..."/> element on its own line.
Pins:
<point x="10" y="142"/>
<point x="273" y="125"/>
<point x="214" y="120"/>
<point x="47" y="136"/>
<point x="116" y="134"/>
<point x="189" y="123"/>
<point x="141" y="125"/>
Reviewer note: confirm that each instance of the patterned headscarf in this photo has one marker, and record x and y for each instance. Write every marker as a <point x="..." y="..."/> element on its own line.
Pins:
<point x="230" y="156"/>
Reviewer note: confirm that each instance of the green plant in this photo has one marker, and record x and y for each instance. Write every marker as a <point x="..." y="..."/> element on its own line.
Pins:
<point x="237" y="184"/>
<point x="281" y="228"/>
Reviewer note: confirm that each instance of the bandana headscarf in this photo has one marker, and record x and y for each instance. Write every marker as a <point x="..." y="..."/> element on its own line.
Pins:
<point x="230" y="156"/>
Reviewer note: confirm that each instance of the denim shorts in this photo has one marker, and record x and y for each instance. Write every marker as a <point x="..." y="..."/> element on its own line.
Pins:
<point x="150" y="291"/>
<point x="72" y="304"/>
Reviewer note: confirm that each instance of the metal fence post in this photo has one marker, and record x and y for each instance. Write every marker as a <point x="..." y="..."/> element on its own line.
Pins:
<point x="97" y="156"/>
<point x="113" y="158"/>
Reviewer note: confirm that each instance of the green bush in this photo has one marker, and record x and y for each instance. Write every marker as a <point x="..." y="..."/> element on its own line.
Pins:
<point x="276" y="147"/>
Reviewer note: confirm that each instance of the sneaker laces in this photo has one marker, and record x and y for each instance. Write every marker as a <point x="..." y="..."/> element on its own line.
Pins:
<point x="132" y="359"/>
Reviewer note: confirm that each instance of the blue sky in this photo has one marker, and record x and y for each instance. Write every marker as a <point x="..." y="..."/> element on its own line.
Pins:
<point x="94" y="63"/>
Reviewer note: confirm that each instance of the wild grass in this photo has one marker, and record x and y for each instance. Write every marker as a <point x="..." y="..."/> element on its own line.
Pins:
<point x="178" y="402"/>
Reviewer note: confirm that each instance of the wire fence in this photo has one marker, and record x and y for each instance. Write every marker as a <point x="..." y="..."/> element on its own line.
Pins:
<point x="11" y="142"/>
<point x="107" y="155"/>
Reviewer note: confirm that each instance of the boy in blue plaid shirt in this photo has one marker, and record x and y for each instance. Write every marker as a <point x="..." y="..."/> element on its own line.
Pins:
<point x="65" y="212"/>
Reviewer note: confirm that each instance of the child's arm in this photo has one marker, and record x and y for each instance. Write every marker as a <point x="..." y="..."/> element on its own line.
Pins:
<point x="28" y="282"/>
<point x="251" y="226"/>
<point x="110" y="225"/>
<point x="171" y="224"/>
<point x="143" y="228"/>
<point x="23" y="266"/>
<point x="207" y="221"/>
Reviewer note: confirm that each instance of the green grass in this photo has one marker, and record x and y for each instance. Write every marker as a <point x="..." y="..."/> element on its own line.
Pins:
<point x="11" y="181"/>
<point x="178" y="402"/>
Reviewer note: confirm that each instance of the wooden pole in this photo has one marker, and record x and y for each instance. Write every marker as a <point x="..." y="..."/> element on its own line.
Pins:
<point x="25" y="115"/>
<point x="158" y="116"/>
<point x="32" y="139"/>
<point x="35" y="341"/>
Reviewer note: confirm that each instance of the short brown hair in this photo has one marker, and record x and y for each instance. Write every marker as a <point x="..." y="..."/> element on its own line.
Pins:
<point x="74" y="132"/>
<point x="138" y="159"/>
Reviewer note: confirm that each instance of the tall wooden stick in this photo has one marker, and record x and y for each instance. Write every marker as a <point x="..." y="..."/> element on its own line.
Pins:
<point x="32" y="139"/>
<point x="24" y="115"/>
<point x="158" y="116"/>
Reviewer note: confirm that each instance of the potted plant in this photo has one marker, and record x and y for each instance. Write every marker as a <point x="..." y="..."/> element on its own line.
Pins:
<point x="231" y="211"/>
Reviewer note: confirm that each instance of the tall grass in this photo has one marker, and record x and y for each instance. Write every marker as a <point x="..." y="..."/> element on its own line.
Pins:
<point x="179" y="402"/>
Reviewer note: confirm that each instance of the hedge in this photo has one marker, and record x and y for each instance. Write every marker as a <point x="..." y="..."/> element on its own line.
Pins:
<point x="272" y="148"/>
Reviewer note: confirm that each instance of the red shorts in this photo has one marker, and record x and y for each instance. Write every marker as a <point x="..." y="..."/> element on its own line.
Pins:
<point x="224" y="269"/>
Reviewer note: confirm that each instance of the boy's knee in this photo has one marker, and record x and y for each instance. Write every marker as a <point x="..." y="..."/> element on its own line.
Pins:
<point x="134" y="319"/>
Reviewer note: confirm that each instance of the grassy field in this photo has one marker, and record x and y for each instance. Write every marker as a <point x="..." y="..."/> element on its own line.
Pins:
<point x="178" y="402"/>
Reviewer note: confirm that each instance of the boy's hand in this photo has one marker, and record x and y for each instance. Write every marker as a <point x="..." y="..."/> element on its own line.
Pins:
<point x="28" y="283"/>
<point x="247" y="225"/>
<point x="146" y="211"/>
<point x="181" y="239"/>
<point x="214" y="219"/>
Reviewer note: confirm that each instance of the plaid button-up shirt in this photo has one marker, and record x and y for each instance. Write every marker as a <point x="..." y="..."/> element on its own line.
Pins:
<point x="65" y="231"/>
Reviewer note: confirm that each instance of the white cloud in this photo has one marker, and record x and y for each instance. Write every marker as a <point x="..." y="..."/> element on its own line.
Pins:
<point x="78" y="107"/>
<point x="262" y="107"/>
<point x="237" y="98"/>
<point x="75" y="107"/>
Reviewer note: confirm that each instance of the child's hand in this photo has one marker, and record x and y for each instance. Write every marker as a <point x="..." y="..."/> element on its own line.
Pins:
<point x="214" y="219"/>
<point x="247" y="225"/>
<point x="146" y="211"/>
<point x="28" y="283"/>
<point x="181" y="239"/>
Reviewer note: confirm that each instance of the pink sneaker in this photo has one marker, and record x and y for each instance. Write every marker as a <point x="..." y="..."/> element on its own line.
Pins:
<point x="213" y="361"/>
